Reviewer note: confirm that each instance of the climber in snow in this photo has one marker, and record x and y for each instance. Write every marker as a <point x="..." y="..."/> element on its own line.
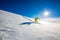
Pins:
<point x="36" y="20"/>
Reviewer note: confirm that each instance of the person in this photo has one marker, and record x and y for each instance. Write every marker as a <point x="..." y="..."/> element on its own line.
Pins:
<point x="36" y="20"/>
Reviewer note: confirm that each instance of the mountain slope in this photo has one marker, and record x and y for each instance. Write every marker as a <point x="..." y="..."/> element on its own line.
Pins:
<point x="11" y="28"/>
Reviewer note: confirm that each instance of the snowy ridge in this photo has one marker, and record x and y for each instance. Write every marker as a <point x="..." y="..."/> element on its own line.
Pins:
<point x="10" y="28"/>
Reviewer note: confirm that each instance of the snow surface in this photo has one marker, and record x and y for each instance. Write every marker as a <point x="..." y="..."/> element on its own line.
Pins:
<point x="11" y="28"/>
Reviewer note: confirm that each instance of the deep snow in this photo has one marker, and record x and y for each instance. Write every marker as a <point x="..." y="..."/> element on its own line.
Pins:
<point x="11" y="28"/>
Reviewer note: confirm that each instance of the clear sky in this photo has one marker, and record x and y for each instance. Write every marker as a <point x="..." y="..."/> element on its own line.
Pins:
<point x="32" y="8"/>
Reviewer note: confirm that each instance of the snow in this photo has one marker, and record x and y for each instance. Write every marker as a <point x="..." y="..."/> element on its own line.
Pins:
<point x="11" y="28"/>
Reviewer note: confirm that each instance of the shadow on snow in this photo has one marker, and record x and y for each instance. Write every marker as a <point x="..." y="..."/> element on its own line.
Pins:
<point x="28" y="23"/>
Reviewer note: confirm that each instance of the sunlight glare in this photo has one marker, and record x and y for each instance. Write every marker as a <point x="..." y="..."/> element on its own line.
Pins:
<point x="46" y="13"/>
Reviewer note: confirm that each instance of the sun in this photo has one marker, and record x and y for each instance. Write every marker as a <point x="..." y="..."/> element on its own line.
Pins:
<point x="46" y="13"/>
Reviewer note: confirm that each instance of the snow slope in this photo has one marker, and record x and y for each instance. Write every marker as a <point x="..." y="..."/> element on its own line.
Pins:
<point x="11" y="28"/>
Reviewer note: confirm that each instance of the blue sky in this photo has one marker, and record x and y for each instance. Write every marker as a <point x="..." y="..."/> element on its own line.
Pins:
<point x="31" y="8"/>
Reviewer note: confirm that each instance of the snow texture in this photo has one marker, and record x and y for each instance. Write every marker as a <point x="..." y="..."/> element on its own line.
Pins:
<point x="18" y="27"/>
